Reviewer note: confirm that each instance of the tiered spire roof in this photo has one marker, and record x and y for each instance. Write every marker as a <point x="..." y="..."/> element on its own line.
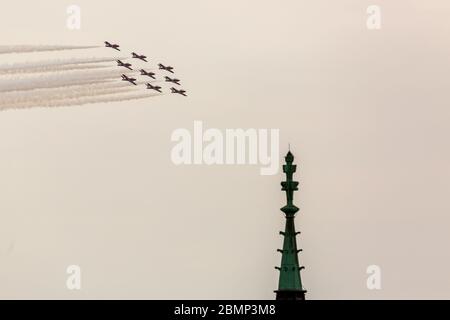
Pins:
<point x="290" y="283"/>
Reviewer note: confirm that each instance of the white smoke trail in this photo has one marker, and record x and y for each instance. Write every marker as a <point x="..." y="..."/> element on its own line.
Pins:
<point x="14" y="97"/>
<point x="68" y="67"/>
<point x="70" y="95"/>
<point x="58" y="80"/>
<point x="80" y="101"/>
<point x="36" y="48"/>
<point x="13" y="67"/>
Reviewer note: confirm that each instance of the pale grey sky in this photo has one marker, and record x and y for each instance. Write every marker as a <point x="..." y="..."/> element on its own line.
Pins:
<point x="365" y="111"/>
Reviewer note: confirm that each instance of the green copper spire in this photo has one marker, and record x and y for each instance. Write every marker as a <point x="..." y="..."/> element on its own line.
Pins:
<point x="290" y="282"/>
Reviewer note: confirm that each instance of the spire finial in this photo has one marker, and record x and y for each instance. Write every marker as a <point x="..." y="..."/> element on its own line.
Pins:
<point x="289" y="158"/>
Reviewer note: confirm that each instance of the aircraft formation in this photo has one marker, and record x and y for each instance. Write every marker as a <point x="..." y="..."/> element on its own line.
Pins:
<point x="145" y="73"/>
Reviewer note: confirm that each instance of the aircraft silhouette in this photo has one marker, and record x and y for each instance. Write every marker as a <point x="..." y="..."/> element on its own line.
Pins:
<point x="113" y="46"/>
<point x="156" y="88"/>
<point x="130" y="80"/>
<point x="167" y="68"/>
<point x="176" y="81"/>
<point x="182" y="92"/>
<point x="137" y="56"/>
<point x="125" y="65"/>
<point x="145" y="73"/>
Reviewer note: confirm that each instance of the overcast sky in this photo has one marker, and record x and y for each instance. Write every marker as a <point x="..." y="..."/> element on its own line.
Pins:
<point x="365" y="112"/>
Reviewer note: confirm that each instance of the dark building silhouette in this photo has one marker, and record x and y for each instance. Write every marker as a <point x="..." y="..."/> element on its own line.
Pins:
<point x="290" y="283"/>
